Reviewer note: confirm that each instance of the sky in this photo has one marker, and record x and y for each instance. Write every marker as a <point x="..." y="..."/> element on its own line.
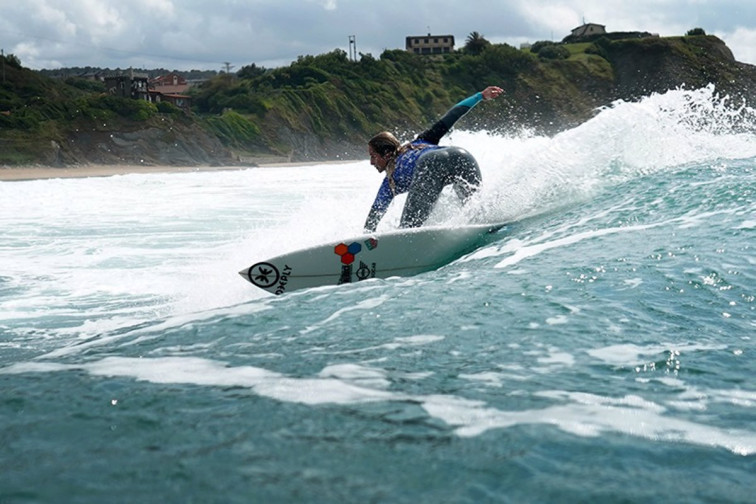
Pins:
<point x="230" y="34"/>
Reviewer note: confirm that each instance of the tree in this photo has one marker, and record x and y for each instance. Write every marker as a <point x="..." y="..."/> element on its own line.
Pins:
<point x="696" y="31"/>
<point x="12" y="60"/>
<point x="250" y="71"/>
<point x="476" y="43"/>
<point x="554" y="51"/>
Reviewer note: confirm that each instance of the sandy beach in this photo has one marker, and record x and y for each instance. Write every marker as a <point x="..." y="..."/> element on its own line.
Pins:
<point x="43" y="172"/>
<point x="11" y="173"/>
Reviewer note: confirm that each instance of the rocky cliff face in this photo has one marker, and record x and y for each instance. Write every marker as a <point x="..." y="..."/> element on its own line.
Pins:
<point x="562" y="94"/>
<point x="176" y="144"/>
<point x="655" y="65"/>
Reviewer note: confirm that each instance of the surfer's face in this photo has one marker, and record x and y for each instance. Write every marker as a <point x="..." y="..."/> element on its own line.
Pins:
<point x="377" y="160"/>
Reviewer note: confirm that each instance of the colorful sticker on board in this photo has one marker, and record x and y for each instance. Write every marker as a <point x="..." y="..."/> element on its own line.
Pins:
<point x="347" y="252"/>
<point x="371" y="243"/>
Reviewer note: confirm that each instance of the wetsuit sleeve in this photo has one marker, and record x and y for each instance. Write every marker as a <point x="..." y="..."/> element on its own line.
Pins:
<point x="380" y="206"/>
<point x="442" y="126"/>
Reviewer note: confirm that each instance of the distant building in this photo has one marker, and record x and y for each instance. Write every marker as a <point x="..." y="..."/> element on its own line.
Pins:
<point x="137" y="86"/>
<point x="587" y="29"/>
<point x="182" y="101"/>
<point x="94" y="76"/>
<point x="430" y="44"/>
<point x="171" y="83"/>
<point x="128" y="86"/>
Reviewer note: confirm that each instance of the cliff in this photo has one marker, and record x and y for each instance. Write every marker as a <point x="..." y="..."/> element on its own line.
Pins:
<point x="325" y="107"/>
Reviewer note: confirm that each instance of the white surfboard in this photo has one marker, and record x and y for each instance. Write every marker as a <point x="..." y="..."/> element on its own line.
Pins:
<point x="403" y="252"/>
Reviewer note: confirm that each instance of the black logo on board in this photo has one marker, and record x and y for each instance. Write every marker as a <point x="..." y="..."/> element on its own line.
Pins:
<point x="363" y="272"/>
<point x="263" y="275"/>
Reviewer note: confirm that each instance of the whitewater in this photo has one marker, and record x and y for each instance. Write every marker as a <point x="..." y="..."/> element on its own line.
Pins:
<point x="601" y="348"/>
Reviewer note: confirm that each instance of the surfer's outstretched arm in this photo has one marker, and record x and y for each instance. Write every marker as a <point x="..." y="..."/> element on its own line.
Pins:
<point x="441" y="127"/>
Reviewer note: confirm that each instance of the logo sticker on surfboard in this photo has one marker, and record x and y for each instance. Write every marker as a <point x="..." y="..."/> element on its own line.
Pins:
<point x="347" y="254"/>
<point x="266" y="276"/>
<point x="263" y="275"/>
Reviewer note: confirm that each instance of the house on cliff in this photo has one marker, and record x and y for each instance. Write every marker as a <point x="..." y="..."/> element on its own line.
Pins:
<point x="182" y="101"/>
<point x="430" y="44"/>
<point x="171" y="83"/>
<point x="588" y="29"/>
<point x="170" y="88"/>
<point x="132" y="85"/>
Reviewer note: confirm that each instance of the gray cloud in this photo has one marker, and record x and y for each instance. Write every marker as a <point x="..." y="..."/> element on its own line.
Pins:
<point x="187" y="34"/>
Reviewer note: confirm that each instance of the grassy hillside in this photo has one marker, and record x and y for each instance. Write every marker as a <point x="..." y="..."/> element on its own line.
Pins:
<point x="326" y="106"/>
<point x="320" y="106"/>
<point x="41" y="118"/>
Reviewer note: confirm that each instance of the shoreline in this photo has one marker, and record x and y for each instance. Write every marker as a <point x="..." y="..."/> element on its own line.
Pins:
<point x="22" y="173"/>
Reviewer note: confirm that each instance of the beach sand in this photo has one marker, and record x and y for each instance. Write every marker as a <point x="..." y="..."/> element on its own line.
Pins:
<point x="10" y="173"/>
<point x="42" y="172"/>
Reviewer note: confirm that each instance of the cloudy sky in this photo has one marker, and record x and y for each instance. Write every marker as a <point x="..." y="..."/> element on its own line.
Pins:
<point x="207" y="34"/>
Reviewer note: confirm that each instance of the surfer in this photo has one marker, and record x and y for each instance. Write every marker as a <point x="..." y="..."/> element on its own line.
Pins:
<point x="422" y="168"/>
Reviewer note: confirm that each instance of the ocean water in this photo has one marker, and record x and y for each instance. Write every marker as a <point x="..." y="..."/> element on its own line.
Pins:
<point x="600" y="349"/>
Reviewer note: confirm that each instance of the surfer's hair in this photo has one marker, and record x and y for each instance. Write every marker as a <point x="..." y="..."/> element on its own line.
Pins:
<point x="386" y="145"/>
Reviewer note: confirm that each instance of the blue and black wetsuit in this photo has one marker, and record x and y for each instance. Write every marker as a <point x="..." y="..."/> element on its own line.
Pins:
<point x="425" y="168"/>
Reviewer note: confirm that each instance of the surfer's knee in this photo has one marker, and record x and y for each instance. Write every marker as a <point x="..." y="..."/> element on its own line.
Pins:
<point x="464" y="189"/>
<point x="420" y="202"/>
<point x="466" y="174"/>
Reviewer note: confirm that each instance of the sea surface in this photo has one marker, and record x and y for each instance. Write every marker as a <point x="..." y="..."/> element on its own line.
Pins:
<point x="602" y="348"/>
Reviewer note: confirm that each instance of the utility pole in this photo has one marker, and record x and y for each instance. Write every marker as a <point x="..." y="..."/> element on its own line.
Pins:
<point x="228" y="66"/>
<point x="352" y="48"/>
<point x="2" y="57"/>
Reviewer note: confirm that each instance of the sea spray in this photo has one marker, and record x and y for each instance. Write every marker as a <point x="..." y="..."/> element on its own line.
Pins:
<point x="527" y="175"/>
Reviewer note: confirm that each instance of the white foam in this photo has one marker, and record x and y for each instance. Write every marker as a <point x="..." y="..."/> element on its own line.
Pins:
<point x="633" y="282"/>
<point x="534" y="249"/>
<point x="357" y="374"/>
<point x="582" y="414"/>
<point x="591" y="415"/>
<point x="629" y="354"/>
<point x="558" y="320"/>
<point x="557" y="356"/>
<point x="397" y="343"/>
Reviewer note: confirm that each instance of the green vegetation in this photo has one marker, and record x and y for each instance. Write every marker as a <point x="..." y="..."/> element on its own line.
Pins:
<point x="233" y="129"/>
<point x="475" y="43"/>
<point x="327" y="105"/>
<point x="339" y="98"/>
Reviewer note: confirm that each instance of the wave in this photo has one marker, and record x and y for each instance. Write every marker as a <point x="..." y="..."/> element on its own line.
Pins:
<point x="526" y="174"/>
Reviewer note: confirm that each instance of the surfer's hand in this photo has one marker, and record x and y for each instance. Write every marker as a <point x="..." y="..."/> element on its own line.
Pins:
<point x="491" y="92"/>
